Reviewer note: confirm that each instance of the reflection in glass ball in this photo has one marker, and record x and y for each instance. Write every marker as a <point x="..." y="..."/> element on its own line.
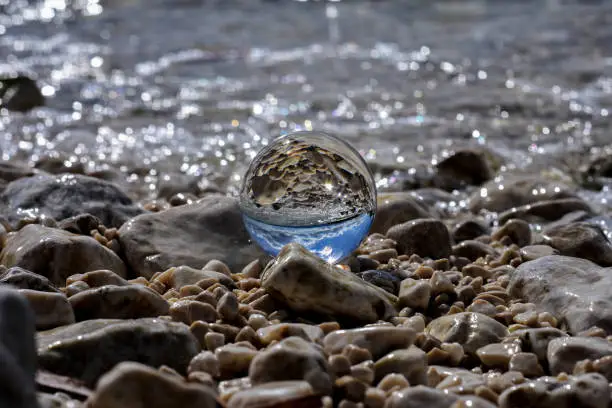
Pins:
<point x="310" y="188"/>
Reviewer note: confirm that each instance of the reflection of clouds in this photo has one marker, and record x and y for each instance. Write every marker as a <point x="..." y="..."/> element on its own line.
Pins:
<point x="331" y="241"/>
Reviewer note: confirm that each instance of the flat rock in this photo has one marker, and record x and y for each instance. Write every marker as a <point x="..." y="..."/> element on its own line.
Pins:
<point x="276" y="395"/>
<point x="471" y="330"/>
<point x="378" y="340"/>
<point x="422" y="396"/>
<point x="67" y="195"/>
<point x="190" y="235"/>
<point x="575" y="290"/>
<point x="307" y="283"/>
<point x="51" y="309"/>
<point x="397" y="208"/>
<point x="23" y="279"/>
<point x="565" y="352"/>
<point x="130" y="385"/>
<point x="88" y="349"/>
<point x="424" y="237"/>
<point x="581" y="240"/>
<point x="118" y="302"/>
<point x="292" y="359"/>
<point x="546" y="210"/>
<point x="57" y="254"/>
<point x="17" y="351"/>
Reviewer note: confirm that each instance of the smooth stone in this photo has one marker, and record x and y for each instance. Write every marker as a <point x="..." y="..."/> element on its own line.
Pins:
<point x="190" y="235"/>
<point x="422" y="396"/>
<point x="415" y="293"/>
<point x="378" y="340"/>
<point x="23" y="279"/>
<point x="575" y="291"/>
<point x="118" y="302"/>
<point x="99" y="278"/>
<point x="469" y="229"/>
<point x="17" y="351"/>
<point x="526" y="364"/>
<point x="88" y="349"/>
<point x="307" y="283"/>
<point x="397" y="208"/>
<point x="587" y="390"/>
<point x="57" y="254"/>
<point x="11" y="171"/>
<point x="410" y="362"/>
<point x="189" y="311"/>
<point x="497" y="354"/>
<point x="130" y="385"/>
<point x="278" y="394"/>
<point x="278" y="332"/>
<point x="424" y="237"/>
<point x="546" y="210"/>
<point x="177" y="277"/>
<point x="463" y="167"/>
<point x="580" y="240"/>
<point x="517" y="230"/>
<point x="517" y="190"/>
<point x="46" y="195"/>
<point x="473" y="250"/>
<point x="471" y="330"/>
<point x="81" y="224"/>
<point x="532" y="252"/>
<point x="564" y="352"/>
<point x="382" y="279"/>
<point x="234" y="361"/>
<point x="51" y="309"/>
<point x="292" y="359"/>
<point x="536" y="340"/>
<point x="20" y="93"/>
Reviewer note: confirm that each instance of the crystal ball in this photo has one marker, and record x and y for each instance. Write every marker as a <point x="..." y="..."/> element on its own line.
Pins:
<point x="311" y="188"/>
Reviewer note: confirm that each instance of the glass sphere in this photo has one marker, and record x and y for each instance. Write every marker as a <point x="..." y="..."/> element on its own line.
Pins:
<point x="310" y="188"/>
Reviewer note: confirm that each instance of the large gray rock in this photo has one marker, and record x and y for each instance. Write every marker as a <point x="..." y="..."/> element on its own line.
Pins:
<point x="17" y="351"/>
<point x="57" y="254"/>
<point x="575" y="290"/>
<point x="67" y="195"/>
<point x="307" y="283"/>
<point x="189" y="235"/>
<point x="88" y="349"/>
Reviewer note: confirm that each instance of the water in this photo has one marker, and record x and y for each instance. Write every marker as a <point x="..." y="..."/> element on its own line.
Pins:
<point x="311" y="188"/>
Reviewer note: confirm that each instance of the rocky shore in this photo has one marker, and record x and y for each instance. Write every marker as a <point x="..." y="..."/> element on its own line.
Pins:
<point x="108" y="303"/>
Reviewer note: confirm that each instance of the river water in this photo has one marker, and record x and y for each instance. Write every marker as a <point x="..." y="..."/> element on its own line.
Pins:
<point x="187" y="91"/>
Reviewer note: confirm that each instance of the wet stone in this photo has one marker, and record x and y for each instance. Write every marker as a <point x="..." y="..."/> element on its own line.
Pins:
<point x="57" y="254"/>
<point x="421" y="396"/>
<point x="96" y="279"/>
<point x="177" y="277"/>
<point x="580" y="240"/>
<point x="471" y="330"/>
<point x="532" y="252"/>
<point x="81" y="224"/>
<point x="20" y="93"/>
<point x="469" y="229"/>
<point x="234" y="361"/>
<point x="131" y="384"/>
<point x="189" y="311"/>
<point x="397" y="208"/>
<point x="378" y="340"/>
<point x="191" y="235"/>
<point x="463" y="167"/>
<point x="410" y="362"/>
<point x="51" y="309"/>
<point x="575" y="291"/>
<point x="424" y="237"/>
<point x="205" y="361"/>
<point x="498" y="354"/>
<point x="306" y="283"/>
<point x="526" y="364"/>
<point x="473" y="250"/>
<point x="383" y="279"/>
<point x="517" y="230"/>
<point x="276" y="394"/>
<point x="88" y="349"/>
<point x="292" y="359"/>
<point x="415" y="293"/>
<point x="118" y="302"/>
<point x="23" y="279"/>
<point x="564" y="352"/>
<point x="281" y="331"/>
<point x="548" y="210"/>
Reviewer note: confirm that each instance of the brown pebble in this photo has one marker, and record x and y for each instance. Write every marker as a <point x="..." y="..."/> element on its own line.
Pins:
<point x="190" y="290"/>
<point x="227" y="308"/>
<point x="188" y="311"/>
<point x="350" y="388"/>
<point x="364" y="372"/>
<point x="475" y="270"/>
<point x="249" y="283"/>
<point x="206" y="283"/>
<point x="158" y="287"/>
<point x="424" y="272"/>
<point x="485" y="393"/>
<point x="526" y="364"/>
<point x="200" y="377"/>
<point x="356" y="354"/>
<point x="214" y="340"/>
<point x="414" y="293"/>
<point x="217" y="266"/>
<point x="76" y="287"/>
<point x="257" y="321"/>
<point x="393" y="382"/>
<point x="171" y="294"/>
<point x="247" y="334"/>
<point x="375" y="398"/>
<point x="339" y="365"/>
<point x="264" y="302"/>
<point x="199" y="330"/>
<point x="206" y="297"/>
<point x="329" y="327"/>
<point x="383" y="255"/>
<point x="229" y="332"/>
<point x="141" y="280"/>
<point x="252" y="270"/>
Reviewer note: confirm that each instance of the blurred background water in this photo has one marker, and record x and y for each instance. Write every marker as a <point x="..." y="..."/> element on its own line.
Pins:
<point x="187" y="91"/>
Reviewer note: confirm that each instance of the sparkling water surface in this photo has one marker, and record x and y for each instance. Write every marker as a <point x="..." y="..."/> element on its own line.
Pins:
<point x="311" y="188"/>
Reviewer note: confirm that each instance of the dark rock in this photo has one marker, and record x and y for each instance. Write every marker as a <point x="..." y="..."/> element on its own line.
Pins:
<point x="574" y="290"/>
<point x="383" y="279"/>
<point x="536" y="340"/>
<point x="57" y="254"/>
<point x="464" y="167"/>
<point x="19" y="93"/>
<point x="80" y="224"/>
<point x="51" y="309"/>
<point x="473" y="250"/>
<point x="118" y="302"/>
<point x="424" y="237"/>
<point x="17" y="351"/>
<point x="189" y="235"/>
<point x="548" y="210"/>
<point x="397" y="208"/>
<point x="24" y="279"/>
<point x="57" y="163"/>
<point x="88" y="349"/>
<point x="518" y="231"/>
<point x="67" y="195"/>
<point x="422" y="396"/>
<point x="580" y="240"/>
<point x="469" y="229"/>
<point x="276" y="394"/>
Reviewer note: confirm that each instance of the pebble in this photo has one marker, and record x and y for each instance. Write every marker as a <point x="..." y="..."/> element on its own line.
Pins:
<point x="51" y="309"/>
<point x="471" y="330"/>
<point x="546" y="210"/>
<point x="393" y="382"/>
<point x="180" y="276"/>
<point x="473" y="250"/>
<point x="382" y="279"/>
<point x="227" y="307"/>
<point x="57" y="254"/>
<point x="276" y="394"/>
<point x="356" y="354"/>
<point x="103" y="343"/>
<point x="17" y="351"/>
<point x="339" y="365"/>
<point x="189" y="311"/>
<point x="81" y="224"/>
<point x="45" y="195"/>
<point x="96" y="279"/>
<point x="131" y="384"/>
<point x="424" y="237"/>
<point x="350" y="389"/>
<point x="532" y="252"/>
<point x="414" y="293"/>
<point x="364" y="372"/>
<point x="498" y="354"/>
<point x="526" y="364"/>
<point x="581" y="240"/>
<point x="278" y="332"/>
<point x="214" y="340"/>
<point x="397" y="208"/>
<point x="306" y="283"/>
<point x="410" y="362"/>
<point x="470" y="228"/>
<point x="190" y="235"/>
<point x="292" y="359"/>
<point x="573" y="290"/>
<point x="536" y="340"/>
<point x="564" y="352"/>
<point x="234" y="360"/>
<point x="118" y="302"/>
<point x="23" y="279"/>
<point x="421" y="396"/>
<point x="378" y="340"/>
<point x="463" y="167"/>
<point x="207" y="362"/>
